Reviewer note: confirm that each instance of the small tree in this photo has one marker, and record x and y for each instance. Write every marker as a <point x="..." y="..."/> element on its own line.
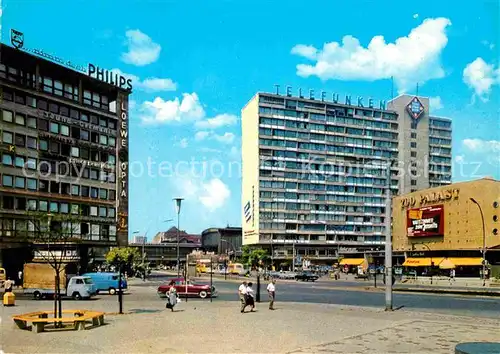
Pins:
<point x="54" y="240"/>
<point x="252" y="257"/>
<point x="122" y="258"/>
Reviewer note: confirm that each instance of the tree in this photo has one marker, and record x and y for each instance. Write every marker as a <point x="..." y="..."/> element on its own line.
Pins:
<point x="55" y="241"/>
<point x="253" y="257"/>
<point x="122" y="258"/>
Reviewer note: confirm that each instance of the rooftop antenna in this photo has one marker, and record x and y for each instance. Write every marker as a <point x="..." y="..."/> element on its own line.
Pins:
<point x="392" y="88"/>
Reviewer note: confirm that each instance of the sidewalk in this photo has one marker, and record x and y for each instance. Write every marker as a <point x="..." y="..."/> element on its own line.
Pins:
<point x="219" y="327"/>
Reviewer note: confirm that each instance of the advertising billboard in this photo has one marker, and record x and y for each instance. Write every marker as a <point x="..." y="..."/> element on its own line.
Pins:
<point x="425" y="222"/>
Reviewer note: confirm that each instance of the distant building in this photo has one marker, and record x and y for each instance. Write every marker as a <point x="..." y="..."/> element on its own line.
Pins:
<point x="140" y="239"/>
<point x="226" y="240"/>
<point x="170" y="236"/>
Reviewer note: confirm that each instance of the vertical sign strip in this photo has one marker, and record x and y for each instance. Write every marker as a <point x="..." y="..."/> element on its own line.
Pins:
<point x="122" y="170"/>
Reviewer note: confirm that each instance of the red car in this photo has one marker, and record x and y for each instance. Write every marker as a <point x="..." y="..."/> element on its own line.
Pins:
<point x="191" y="289"/>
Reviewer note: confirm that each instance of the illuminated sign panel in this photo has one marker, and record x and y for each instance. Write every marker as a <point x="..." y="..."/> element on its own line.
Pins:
<point x="425" y="222"/>
<point x="415" y="108"/>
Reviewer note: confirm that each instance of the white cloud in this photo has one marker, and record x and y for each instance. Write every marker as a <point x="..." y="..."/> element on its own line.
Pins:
<point x="460" y="159"/>
<point x="141" y="49"/>
<point x="227" y="138"/>
<point x="212" y="194"/>
<point x="152" y="84"/>
<point x="486" y="43"/>
<point x="210" y="150"/>
<point x="235" y="153"/>
<point x="481" y="76"/>
<point x="183" y="143"/>
<point x="218" y="121"/>
<point x="411" y="59"/>
<point x="415" y="15"/>
<point x="435" y="103"/>
<point x="160" y="111"/>
<point x="201" y="135"/>
<point x="482" y="146"/>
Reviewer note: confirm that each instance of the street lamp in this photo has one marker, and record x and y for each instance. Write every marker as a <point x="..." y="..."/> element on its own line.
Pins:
<point x="143" y="253"/>
<point x="178" y="202"/>
<point x="484" y="240"/>
<point x="430" y="254"/>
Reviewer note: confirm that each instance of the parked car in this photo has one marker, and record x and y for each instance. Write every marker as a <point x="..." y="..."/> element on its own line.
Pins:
<point x="306" y="276"/>
<point x="107" y="282"/>
<point x="190" y="289"/>
<point x="287" y="275"/>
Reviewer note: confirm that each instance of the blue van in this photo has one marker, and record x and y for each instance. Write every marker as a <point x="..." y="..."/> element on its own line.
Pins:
<point x="105" y="281"/>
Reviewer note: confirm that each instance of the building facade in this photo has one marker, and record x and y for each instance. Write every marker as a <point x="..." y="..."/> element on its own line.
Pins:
<point x="227" y="240"/>
<point x="447" y="221"/>
<point x="314" y="170"/>
<point x="64" y="151"/>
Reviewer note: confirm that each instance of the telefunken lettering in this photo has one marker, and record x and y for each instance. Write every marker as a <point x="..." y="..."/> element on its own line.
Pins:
<point x="334" y="98"/>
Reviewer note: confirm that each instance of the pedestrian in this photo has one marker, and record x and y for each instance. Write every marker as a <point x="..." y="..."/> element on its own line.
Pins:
<point x="242" y="293"/>
<point x="250" y="297"/>
<point x="271" y="291"/>
<point x="171" y="296"/>
<point x="20" y="278"/>
<point x="8" y="285"/>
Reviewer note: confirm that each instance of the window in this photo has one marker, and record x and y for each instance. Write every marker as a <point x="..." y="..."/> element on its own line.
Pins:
<point x="43" y="125"/>
<point x="103" y="140"/>
<point x="63" y="110"/>
<point x="413" y="154"/>
<point x="54" y="108"/>
<point x="7" y="116"/>
<point x="413" y="145"/>
<point x="64" y="208"/>
<point x="43" y="145"/>
<point x="31" y="163"/>
<point x="19" y="161"/>
<point x="84" y="117"/>
<point x="103" y="212"/>
<point x="20" y="119"/>
<point x="75" y="189"/>
<point x="93" y="211"/>
<point x="43" y="205"/>
<point x="103" y="193"/>
<point x="112" y="194"/>
<point x="112" y="124"/>
<point x="7" y="159"/>
<point x="94" y="174"/>
<point x="84" y="134"/>
<point x="64" y="130"/>
<point x="112" y="159"/>
<point x="103" y="122"/>
<point x="54" y="147"/>
<point x="20" y="182"/>
<point x="84" y="153"/>
<point x="93" y="192"/>
<point x="31" y="142"/>
<point x="413" y="182"/>
<point x="111" y="212"/>
<point x="32" y="184"/>
<point x="31" y="101"/>
<point x="32" y="204"/>
<point x="75" y="152"/>
<point x="413" y="135"/>
<point x="75" y="209"/>
<point x="20" y="140"/>
<point x="111" y="141"/>
<point x="7" y="180"/>
<point x="7" y="137"/>
<point x="31" y="122"/>
<point x="54" y="207"/>
<point x="85" y="191"/>
<point x="54" y="128"/>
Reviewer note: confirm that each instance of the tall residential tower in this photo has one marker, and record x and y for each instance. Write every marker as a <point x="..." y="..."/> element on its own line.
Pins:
<point x="314" y="170"/>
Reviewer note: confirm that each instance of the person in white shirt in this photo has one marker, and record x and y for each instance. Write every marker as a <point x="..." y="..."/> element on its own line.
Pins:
<point x="271" y="291"/>
<point x="242" y="293"/>
<point x="249" y="297"/>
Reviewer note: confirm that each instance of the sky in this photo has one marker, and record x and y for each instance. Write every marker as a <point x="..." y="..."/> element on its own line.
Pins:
<point x="195" y="64"/>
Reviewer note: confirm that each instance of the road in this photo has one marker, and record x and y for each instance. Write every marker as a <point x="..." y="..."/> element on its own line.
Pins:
<point x="142" y="294"/>
<point x="346" y="293"/>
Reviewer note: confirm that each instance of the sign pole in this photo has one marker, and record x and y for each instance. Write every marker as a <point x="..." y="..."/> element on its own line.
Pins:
<point x="388" y="241"/>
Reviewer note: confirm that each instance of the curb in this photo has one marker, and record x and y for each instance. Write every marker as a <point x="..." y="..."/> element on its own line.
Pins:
<point x="491" y="293"/>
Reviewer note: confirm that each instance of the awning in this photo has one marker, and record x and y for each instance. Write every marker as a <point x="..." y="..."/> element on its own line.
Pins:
<point x="446" y="264"/>
<point x="422" y="262"/>
<point x="352" y="261"/>
<point x="464" y="261"/>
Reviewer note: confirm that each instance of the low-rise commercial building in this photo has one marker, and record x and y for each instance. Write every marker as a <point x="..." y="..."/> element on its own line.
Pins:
<point x="459" y="222"/>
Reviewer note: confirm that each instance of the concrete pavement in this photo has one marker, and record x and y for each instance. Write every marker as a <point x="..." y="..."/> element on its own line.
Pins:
<point x="219" y="327"/>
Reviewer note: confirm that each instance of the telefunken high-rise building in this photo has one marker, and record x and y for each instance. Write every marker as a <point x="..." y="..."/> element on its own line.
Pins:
<point x="314" y="170"/>
<point x="64" y="150"/>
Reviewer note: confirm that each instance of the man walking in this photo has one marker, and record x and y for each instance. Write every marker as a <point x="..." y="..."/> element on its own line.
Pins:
<point x="242" y="292"/>
<point x="271" y="291"/>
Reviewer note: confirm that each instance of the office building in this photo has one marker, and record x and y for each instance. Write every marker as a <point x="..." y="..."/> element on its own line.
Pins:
<point x="314" y="170"/>
<point x="447" y="222"/>
<point x="63" y="151"/>
<point x="226" y="240"/>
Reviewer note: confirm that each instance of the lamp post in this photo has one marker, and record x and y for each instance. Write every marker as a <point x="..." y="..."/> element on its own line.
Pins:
<point x="430" y="255"/>
<point x="484" y="240"/>
<point x="234" y="252"/>
<point x="178" y="202"/>
<point x="388" y="239"/>
<point x="143" y="253"/>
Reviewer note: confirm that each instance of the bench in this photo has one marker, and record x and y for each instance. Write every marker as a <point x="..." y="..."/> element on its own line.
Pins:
<point x="78" y="319"/>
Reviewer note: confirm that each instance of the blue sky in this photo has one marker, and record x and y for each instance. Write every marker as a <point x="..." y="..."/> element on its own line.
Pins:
<point x="195" y="64"/>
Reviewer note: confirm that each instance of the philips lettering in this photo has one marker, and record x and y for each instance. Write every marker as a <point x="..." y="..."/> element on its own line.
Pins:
<point x="110" y="77"/>
<point x="335" y="98"/>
